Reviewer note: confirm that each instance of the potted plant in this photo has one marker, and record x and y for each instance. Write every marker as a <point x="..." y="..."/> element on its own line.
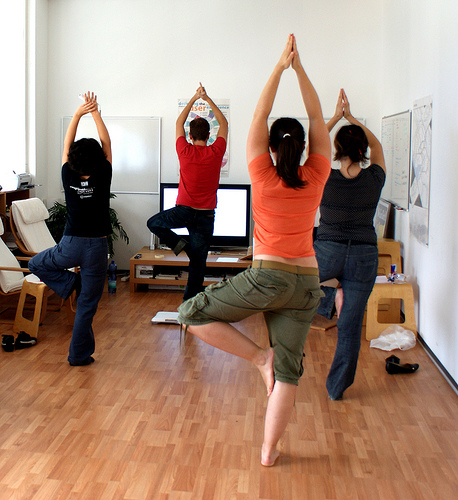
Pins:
<point x="58" y="217"/>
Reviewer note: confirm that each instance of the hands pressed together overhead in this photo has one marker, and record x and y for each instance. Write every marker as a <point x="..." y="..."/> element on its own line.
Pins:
<point x="201" y="92"/>
<point x="90" y="104"/>
<point x="290" y="55"/>
<point x="342" y="106"/>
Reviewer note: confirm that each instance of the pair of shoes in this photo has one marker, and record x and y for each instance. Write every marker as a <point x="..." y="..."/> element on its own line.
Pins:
<point x="85" y="362"/>
<point x="8" y="343"/>
<point x="393" y="366"/>
<point x="23" y="340"/>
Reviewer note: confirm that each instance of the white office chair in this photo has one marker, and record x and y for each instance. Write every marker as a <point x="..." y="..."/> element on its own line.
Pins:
<point x="28" y="226"/>
<point x="13" y="281"/>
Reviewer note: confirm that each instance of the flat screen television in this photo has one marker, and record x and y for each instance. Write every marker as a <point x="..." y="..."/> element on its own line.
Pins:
<point x="232" y="215"/>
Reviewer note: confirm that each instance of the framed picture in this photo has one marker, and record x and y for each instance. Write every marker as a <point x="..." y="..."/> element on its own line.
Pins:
<point x="381" y="217"/>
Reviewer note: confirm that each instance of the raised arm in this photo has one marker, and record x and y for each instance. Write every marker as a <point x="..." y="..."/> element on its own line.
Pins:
<point x="258" y="135"/>
<point x="181" y="120"/>
<point x="104" y="136"/>
<point x="220" y="118"/>
<point x="376" y="150"/>
<point x="319" y="141"/>
<point x="338" y="113"/>
<point x="89" y="106"/>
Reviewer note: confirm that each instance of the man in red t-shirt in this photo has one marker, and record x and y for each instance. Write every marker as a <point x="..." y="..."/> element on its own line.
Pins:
<point x="200" y="167"/>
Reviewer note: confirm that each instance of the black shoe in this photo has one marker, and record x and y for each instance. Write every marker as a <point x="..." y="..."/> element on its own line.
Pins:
<point x="392" y="359"/>
<point x="8" y="343"/>
<point x="85" y="362"/>
<point x="394" y="366"/>
<point x="24" y="340"/>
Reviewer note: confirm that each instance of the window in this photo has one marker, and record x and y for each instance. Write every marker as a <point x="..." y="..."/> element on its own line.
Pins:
<point x="12" y="91"/>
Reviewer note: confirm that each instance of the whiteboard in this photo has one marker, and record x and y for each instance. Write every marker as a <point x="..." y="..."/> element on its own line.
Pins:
<point x="136" y="148"/>
<point x="133" y="212"/>
<point x="396" y="150"/>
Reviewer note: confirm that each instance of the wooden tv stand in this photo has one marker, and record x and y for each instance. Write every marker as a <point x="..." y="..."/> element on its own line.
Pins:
<point x="165" y="261"/>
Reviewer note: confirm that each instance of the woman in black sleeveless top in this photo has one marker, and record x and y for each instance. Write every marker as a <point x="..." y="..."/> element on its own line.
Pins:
<point x="346" y="242"/>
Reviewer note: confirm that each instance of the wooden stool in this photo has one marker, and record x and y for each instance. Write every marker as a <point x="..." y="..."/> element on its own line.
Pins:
<point x="389" y="252"/>
<point x="22" y="324"/>
<point x="382" y="291"/>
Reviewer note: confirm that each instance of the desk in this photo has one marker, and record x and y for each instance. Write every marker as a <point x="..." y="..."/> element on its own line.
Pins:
<point x="151" y="261"/>
<point x="6" y="198"/>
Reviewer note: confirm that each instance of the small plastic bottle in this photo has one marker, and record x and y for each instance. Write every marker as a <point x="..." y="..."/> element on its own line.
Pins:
<point x="112" y="268"/>
<point x="393" y="275"/>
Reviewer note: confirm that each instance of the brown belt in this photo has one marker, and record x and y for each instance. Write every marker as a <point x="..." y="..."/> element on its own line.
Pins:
<point x="280" y="266"/>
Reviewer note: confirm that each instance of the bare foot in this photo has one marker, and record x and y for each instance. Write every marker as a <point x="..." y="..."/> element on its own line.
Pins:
<point x="269" y="459"/>
<point x="339" y="300"/>
<point x="265" y="364"/>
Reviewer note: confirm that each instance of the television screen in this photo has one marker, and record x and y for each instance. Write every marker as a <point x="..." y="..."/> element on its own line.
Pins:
<point x="232" y="214"/>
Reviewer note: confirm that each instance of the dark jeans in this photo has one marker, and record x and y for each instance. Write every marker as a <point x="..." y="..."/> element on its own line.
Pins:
<point x="355" y="266"/>
<point x="199" y="224"/>
<point x="51" y="266"/>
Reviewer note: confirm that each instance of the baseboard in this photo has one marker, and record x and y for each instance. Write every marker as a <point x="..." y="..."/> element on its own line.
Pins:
<point x="439" y="365"/>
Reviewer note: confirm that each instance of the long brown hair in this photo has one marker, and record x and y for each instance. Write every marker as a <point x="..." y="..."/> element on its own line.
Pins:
<point x="287" y="138"/>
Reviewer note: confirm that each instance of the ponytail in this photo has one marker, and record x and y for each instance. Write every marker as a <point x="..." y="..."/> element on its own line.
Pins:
<point x="287" y="138"/>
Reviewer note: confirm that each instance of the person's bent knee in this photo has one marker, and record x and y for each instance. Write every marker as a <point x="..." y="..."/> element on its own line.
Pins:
<point x="150" y="224"/>
<point x="32" y="265"/>
<point x="288" y="370"/>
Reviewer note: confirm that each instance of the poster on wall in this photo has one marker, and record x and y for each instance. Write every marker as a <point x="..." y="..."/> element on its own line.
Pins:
<point x="381" y="218"/>
<point x="203" y="110"/>
<point x="420" y="170"/>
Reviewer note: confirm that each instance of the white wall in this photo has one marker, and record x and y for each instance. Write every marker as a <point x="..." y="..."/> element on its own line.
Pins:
<point x="420" y="50"/>
<point x="142" y="56"/>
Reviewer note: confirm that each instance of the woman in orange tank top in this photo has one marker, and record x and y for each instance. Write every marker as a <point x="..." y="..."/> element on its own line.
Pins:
<point x="283" y="282"/>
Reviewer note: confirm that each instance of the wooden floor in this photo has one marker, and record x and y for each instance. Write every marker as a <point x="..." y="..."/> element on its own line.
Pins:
<point x="149" y="420"/>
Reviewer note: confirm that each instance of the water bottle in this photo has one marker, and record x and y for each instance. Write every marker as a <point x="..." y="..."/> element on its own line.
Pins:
<point x="112" y="277"/>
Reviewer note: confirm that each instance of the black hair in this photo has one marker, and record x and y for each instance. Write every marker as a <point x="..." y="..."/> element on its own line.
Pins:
<point x="199" y="129"/>
<point x="351" y="141"/>
<point x="85" y="155"/>
<point x="287" y="139"/>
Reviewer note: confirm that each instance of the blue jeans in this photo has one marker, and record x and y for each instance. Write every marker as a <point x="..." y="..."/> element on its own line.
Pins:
<point x="51" y="265"/>
<point x="199" y="224"/>
<point x="355" y="266"/>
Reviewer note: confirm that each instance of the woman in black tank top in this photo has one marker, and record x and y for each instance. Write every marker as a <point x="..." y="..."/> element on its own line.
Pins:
<point x="346" y="242"/>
